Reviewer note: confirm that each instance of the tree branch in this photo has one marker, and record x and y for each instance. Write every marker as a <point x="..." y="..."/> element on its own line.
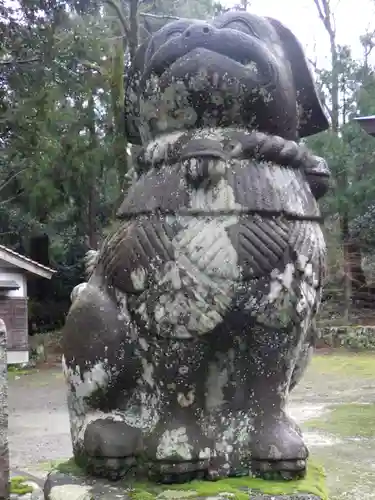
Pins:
<point x="12" y="177"/>
<point x="320" y="11"/>
<point x="124" y="23"/>
<point x="12" y="198"/>
<point x="155" y="16"/>
<point x="90" y="66"/>
<point x="20" y="61"/>
<point x="325" y="15"/>
<point x="327" y="108"/>
<point x="133" y="18"/>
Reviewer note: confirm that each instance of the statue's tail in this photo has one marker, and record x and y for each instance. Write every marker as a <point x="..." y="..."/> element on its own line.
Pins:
<point x="90" y="260"/>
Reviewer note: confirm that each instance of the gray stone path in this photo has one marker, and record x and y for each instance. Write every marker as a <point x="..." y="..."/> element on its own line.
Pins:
<point x="38" y="418"/>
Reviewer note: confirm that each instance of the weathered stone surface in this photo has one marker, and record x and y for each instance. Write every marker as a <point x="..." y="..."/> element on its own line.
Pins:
<point x="196" y="320"/>
<point x="351" y="337"/>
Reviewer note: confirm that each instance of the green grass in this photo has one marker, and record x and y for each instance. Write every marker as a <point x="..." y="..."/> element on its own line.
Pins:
<point x="346" y="364"/>
<point x="18" y="486"/>
<point x="346" y="420"/>
<point x="14" y="370"/>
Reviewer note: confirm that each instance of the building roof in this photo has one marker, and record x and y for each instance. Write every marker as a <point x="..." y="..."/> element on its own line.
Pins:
<point x="29" y="265"/>
<point x="367" y="123"/>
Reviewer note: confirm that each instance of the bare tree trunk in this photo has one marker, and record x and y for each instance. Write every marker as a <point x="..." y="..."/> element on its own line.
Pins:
<point x="92" y="233"/>
<point x="359" y="281"/>
<point x="4" y="453"/>
<point x="129" y="28"/>
<point x="328" y="20"/>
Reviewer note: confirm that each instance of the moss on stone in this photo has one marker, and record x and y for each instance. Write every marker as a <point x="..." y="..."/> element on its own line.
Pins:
<point x="237" y="488"/>
<point x="347" y="420"/>
<point x="349" y="364"/>
<point x="18" y="485"/>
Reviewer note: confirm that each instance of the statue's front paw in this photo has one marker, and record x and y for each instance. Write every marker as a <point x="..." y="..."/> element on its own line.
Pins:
<point x="111" y="447"/>
<point x="278" y="450"/>
<point x="178" y="452"/>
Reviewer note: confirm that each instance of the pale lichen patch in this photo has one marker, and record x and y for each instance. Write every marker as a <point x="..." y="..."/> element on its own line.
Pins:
<point x="186" y="400"/>
<point x="138" y="277"/>
<point x="174" y="443"/>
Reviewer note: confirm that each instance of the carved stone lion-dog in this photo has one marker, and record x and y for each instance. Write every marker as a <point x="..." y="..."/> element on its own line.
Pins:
<point x="197" y="318"/>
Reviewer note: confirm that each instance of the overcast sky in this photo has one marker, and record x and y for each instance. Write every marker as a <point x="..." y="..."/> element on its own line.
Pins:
<point x="353" y="18"/>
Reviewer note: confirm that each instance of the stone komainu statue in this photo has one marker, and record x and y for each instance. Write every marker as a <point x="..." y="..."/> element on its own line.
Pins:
<point x="196" y="322"/>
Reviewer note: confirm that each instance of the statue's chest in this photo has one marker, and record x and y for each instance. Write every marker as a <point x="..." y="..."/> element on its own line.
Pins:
<point x="245" y="187"/>
<point x="232" y="246"/>
<point x="236" y="229"/>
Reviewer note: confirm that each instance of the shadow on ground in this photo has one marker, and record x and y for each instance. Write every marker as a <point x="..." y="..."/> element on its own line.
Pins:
<point x="335" y="403"/>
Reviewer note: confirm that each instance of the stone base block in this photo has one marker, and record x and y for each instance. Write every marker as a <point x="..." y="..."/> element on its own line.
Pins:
<point x="67" y="482"/>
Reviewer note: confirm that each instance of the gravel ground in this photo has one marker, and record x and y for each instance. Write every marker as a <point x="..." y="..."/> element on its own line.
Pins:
<point x="38" y="418"/>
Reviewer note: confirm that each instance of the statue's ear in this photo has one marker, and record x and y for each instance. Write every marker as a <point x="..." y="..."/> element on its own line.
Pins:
<point x="312" y="118"/>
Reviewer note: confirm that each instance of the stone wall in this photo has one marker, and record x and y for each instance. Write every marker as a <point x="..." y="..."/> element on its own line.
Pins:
<point x="358" y="338"/>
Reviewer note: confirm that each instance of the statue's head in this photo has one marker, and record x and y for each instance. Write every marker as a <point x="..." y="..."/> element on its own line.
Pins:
<point x="239" y="69"/>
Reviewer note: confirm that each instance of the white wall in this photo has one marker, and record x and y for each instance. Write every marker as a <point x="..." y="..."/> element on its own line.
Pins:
<point x="18" y="277"/>
<point x="17" y="357"/>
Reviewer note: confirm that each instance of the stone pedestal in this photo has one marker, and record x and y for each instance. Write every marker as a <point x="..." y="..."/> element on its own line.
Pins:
<point x="68" y="482"/>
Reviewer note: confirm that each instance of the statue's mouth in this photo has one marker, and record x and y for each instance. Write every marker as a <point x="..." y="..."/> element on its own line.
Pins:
<point x="236" y="45"/>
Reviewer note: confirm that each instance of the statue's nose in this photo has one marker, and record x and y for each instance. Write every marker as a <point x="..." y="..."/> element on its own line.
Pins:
<point x="198" y="30"/>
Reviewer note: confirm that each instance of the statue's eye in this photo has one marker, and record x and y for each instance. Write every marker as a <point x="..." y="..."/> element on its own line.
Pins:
<point x="174" y="33"/>
<point x="240" y="25"/>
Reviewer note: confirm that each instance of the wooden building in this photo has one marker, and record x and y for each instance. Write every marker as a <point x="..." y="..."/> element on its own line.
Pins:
<point x="16" y="271"/>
